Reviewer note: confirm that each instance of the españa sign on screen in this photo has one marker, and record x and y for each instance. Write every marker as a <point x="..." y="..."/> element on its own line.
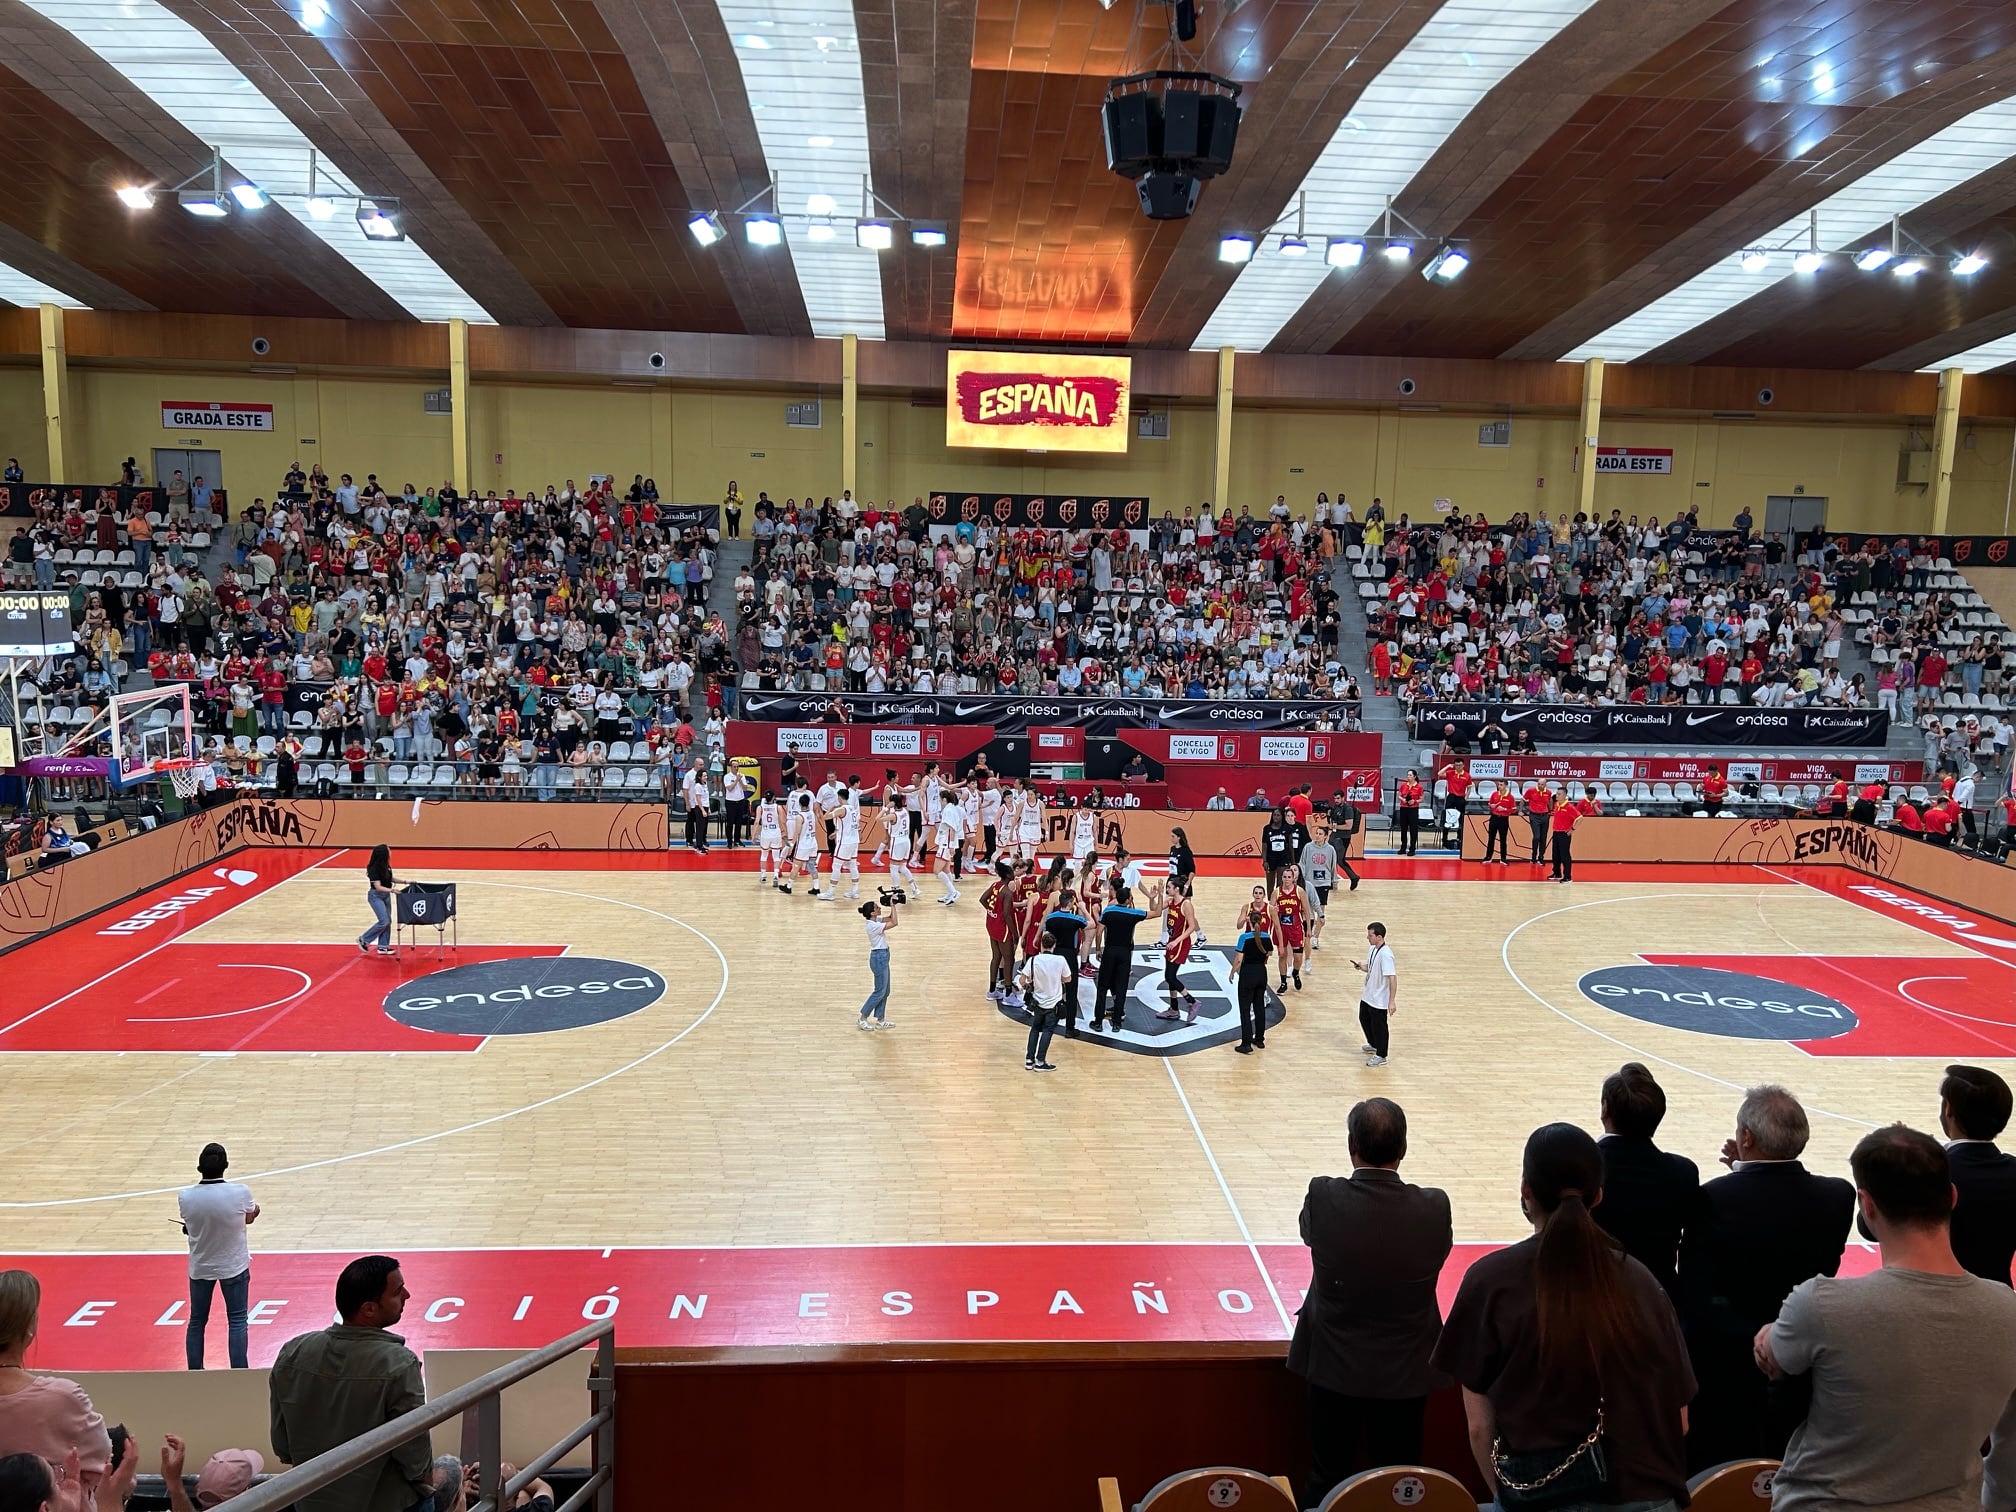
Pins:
<point x="1042" y="401"/>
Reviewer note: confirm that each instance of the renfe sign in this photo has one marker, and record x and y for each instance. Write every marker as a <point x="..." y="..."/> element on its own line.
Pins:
<point x="1040" y="401"/>
<point x="1634" y="459"/>
<point x="186" y="415"/>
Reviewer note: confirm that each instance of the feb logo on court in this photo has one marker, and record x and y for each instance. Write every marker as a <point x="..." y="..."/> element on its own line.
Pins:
<point x="526" y="995"/>
<point x="1208" y="975"/>
<point x="1731" y="1004"/>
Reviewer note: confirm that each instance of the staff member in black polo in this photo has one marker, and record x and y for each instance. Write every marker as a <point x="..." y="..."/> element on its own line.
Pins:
<point x="1367" y="1330"/>
<point x="1116" y="957"/>
<point x="1345" y="822"/>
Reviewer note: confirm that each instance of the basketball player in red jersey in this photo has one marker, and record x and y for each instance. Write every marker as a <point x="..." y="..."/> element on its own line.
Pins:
<point x="1179" y="927"/>
<point x="995" y="904"/>
<point x="1291" y="917"/>
<point x="1498" y="831"/>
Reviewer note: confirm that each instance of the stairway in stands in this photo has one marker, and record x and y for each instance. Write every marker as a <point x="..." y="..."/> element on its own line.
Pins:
<point x="1383" y="715"/>
<point x="730" y="557"/>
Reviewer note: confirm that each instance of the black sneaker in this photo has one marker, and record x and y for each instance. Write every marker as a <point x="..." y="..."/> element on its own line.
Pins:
<point x="1298" y="981"/>
<point x="1045" y="1066"/>
<point x="1243" y="1049"/>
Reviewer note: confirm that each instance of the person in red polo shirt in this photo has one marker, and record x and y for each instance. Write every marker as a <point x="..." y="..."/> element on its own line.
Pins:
<point x="1567" y="814"/>
<point x="1906" y="819"/>
<point x="2001" y="845"/>
<point x="1864" y="811"/>
<point x="1715" y="787"/>
<point x="1939" y="819"/>
<point x="1498" y="831"/>
<point x="1456" y="775"/>
<point x="1540" y="801"/>
<point x="1835" y="804"/>
<point x="1407" y="813"/>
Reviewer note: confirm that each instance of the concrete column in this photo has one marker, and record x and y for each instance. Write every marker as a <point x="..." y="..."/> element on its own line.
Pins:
<point x="458" y="405"/>
<point x="1945" y="431"/>
<point x="1221" y="470"/>
<point x="63" y="457"/>
<point x="1592" y="419"/>
<point x="850" y="414"/>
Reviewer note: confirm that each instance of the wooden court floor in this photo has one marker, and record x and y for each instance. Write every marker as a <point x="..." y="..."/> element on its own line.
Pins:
<point x="744" y="1109"/>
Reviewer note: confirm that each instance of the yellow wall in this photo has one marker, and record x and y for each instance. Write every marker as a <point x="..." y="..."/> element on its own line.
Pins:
<point x="22" y="433"/>
<point x="693" y="441"/>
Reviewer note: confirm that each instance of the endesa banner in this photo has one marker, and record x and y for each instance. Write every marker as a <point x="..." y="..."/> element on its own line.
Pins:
<point x="1682" y="724"/>
<point x="1014" y="714"/>
<point x="1039" y="511"/>
<point x="1043" y="401"/>
<point x="27" y="498"/>
<point x="1685" y="769"/>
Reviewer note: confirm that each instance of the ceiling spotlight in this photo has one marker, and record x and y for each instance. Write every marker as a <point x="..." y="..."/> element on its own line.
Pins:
<point x="707" y="229"/>
<point x="818" y="141"/>
<point x="1294" y="246"/>
<point x="819" y="230"/>
<point x="321" y="208"/>
<point x="927" y="234"/>
<point x="1447" y="265"/>
<point x="137" y="199"/>
<point x="380" y="222"/>
<point x="1235" y="249"/>
<point x="874" y="235"/>
<point x="1869" y="259"/>
<point x="1967" y="264"/>
<point x="763" y="230"/>
<point x="1399" y="251"/>
<point x="207" y="203"/>
<point x="819" y="204"/>
<point x="1344" y="252"/>
<point x="753" y="42"/>
<point x="1808" y="261"/>
<point x="249" y="196"/>
<point x="1910" y="267"/>
<point x="1755" y="259"/>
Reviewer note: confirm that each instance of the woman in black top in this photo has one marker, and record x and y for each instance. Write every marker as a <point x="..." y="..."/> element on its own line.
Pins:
<point x="1568" y="1351"/>
<point x="1182" y="860"/>
<point x="378" y="873"/>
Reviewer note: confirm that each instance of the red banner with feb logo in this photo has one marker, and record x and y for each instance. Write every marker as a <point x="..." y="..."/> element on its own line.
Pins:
<point x="1038" y="511"/>
<point x="1038" y="401"/>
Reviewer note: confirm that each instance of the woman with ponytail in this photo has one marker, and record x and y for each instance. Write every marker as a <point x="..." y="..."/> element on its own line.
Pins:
<point x="1575" y="1378"/>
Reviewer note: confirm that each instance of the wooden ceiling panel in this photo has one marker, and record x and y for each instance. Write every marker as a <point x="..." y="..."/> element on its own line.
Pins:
<point x="57" y="178"/>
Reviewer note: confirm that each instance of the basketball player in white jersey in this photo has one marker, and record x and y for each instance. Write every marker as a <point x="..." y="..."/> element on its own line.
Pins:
<point x="1084" y="843"/>
<point x="847" y="842"/>
<point x="894" y="817"/>
<point x="769" y="841"/>
<point x="951" y="831"/>
<point x="931" y="795"/>
<point x="804" y="833"/>
<point x="1029" y="831"/>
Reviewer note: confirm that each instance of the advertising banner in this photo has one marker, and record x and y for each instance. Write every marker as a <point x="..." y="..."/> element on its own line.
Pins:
<point x="1015" y="714"/>
<point x="27" y="498"/>
<point x="1043" y="401"/>
<point x="684" y="516"/>
<point x="1686" y="769"/>
<point x="1679" y="724"/>
<point x="1039" y="511"/>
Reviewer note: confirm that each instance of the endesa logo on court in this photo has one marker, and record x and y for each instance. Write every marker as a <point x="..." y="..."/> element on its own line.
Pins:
<point x="527" y="995"/>
<point x="1047" y="401"/>
<point x="1731" y="1004"/>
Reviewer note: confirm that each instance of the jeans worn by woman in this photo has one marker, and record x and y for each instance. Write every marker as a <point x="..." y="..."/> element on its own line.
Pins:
<point x="878" y="997"/>
<point x="381" y="929"/>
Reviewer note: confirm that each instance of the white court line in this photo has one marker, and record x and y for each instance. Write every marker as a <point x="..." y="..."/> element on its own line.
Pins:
<point x="481" y="1123"/>
<point x="1947" y="1012"/>
<point x="10" y="1028"/>
<point x="306" y="982"/>
<point x="1245" y="1234"/>
<point x="1505" y="958"/>
<point x="1904" y="916"/>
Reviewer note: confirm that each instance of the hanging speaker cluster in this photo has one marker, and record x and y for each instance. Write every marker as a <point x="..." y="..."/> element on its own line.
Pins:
<point x="1169" y="130"/>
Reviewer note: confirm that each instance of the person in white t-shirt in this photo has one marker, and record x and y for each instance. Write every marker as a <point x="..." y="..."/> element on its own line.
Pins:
<point x="1379" y="999"/>
<point x="215" y="1215"/>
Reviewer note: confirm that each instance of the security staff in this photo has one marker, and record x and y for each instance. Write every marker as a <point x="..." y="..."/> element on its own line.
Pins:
<point x="1407" y="813"/>
<point x="1540" y="801"/>
<point x="1498" y="830"/>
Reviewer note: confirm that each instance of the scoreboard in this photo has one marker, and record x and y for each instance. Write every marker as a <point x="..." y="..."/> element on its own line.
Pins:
<point x="36" y="623"/>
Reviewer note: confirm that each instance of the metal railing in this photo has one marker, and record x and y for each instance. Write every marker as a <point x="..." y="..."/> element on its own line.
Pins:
<point x="482" y="1435"/>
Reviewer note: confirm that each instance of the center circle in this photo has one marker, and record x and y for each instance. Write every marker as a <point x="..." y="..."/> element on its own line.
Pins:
<point x="524" y="995"/>
<point x="1708" y="1000"/>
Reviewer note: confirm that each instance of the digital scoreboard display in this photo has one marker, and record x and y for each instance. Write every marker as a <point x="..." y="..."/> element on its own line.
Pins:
<point x="36" y="623"/>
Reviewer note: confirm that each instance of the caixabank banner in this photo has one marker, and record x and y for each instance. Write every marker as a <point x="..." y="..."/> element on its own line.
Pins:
<point x="1044" y="401"/>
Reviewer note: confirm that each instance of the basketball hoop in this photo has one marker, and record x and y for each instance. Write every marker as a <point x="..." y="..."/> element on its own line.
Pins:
<point x="184" y="775"/>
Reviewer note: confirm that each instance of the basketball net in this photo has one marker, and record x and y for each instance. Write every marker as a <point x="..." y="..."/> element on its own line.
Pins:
<point x="184" y="775"/>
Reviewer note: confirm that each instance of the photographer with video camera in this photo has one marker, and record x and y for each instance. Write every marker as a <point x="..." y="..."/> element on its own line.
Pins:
<point x="881" y="917"/>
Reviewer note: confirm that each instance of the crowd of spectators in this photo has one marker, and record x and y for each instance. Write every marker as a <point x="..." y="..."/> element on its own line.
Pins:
<point x="1655" y="1326"/>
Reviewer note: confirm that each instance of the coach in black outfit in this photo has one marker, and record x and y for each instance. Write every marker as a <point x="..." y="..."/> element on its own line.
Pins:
<point x="1974" y="1108"/>
<point x="1648" y="1192"/>
<point x="1754" y="1234"/>
<point x="1365" y="1333"/>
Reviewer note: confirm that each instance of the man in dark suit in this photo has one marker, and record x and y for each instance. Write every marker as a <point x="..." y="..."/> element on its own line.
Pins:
<point x="1973" y="1108"/>
<point x="1754" y="1235"/>
<point x="1364" y="1335"/>
<point x="1648" y="1193"/>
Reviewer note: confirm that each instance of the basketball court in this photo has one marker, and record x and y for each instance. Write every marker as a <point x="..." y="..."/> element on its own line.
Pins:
<point x="635" y="1084"/>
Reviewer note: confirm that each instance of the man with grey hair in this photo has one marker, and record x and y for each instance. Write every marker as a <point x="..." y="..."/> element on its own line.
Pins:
<point x="1755" y="1234"/>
